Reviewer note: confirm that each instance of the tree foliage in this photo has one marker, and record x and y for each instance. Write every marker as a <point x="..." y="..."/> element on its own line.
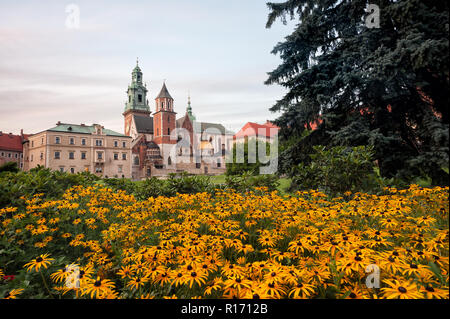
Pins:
<point x="386" y="87"/>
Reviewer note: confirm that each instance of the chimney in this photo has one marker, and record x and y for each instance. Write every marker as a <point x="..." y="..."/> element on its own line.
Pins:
<point x="59" y="123"/>
<point x="21" y="132"/>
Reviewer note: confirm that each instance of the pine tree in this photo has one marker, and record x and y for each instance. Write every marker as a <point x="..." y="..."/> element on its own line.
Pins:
<point x="386" y="86"/>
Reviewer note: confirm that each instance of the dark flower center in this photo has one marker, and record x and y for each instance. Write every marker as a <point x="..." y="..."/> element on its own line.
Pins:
<point x="352" y="295"/>
<point x="238" y="280"/>
<point x="39" y="259"/>
<point x="430" y="289"/>
<point x="98" y="283"/>
<point x="255" y="296"/>
<point x="402" y="289"/>
<point x="193" y="274"/>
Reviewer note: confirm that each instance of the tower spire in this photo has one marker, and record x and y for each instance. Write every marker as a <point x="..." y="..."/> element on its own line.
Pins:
<point x="189" y="108"/>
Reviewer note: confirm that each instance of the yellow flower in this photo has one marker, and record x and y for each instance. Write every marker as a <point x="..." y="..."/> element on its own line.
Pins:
<point x="13" y="293"/>
<point x="38" y="262"/>
<point x="401" y="290"/>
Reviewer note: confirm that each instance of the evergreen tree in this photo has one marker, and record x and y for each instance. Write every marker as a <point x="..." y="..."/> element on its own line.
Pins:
<point x="386" y="86"/>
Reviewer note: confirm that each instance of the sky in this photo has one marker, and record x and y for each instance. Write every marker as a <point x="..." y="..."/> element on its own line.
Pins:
<point x="57" y="68"/>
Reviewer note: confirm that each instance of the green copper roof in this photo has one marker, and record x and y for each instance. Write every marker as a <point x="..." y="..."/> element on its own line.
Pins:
<point x="83" y="129"/>
<point x="189" y="110"/>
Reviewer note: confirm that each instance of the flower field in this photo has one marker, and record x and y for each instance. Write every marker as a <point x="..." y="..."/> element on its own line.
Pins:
<point x="99" y="243"/>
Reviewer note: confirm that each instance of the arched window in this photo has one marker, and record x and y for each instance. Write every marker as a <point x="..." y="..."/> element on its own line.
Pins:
<point x="169" y="161"/>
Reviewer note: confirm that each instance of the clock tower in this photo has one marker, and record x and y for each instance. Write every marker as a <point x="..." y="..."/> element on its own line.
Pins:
<point x="137" y="102"/>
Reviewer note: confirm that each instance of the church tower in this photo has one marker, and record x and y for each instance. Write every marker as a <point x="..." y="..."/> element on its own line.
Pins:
<point x="164" y="121"/>
<point x="137" y="99"/>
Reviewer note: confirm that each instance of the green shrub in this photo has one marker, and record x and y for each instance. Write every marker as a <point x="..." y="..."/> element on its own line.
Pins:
<point x="51" y="184"/>
<point x="186" y="184"/>
<point x="250" y="162"/>
<point x="338" y="170"/>
<point x="246" y="182"/>
<point x="9" y="167"/>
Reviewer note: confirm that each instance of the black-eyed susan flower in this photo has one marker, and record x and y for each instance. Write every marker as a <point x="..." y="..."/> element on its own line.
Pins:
<point x="12" y="294"/>
<point x="41" y="261"/>
<point x="97" y="287"/>
<point x="401" y="290"/>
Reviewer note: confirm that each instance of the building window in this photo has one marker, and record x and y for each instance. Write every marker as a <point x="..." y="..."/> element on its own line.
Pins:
<point x="72" y="170"/>
<point x="168" y="131"/>
<point x="98" y="169"/>
<point x="116" y="144"/>
<point x="83" y="141"/>
<point x="61" y="169"/>
<point x="15" y="155"/>
<point x="41" y="157"/>
<point x="99" y="155"/>
<point x="116" y="156"/>
<point x="71" y="141"/>
<point x="129" y="98"/>
<point x="57" y="140"/>
<point x="3" y="153"/>
<point x="198" y="165"/>
<point x="124" y="156"/>
<point x="98" y="142"/>
<point x="32" y="143"/>
<point x="136" y="160"/>
<point x="83" y="155"/>
<point x="42" y="141"/>
<point x="124" y="144"/>
<point x="169" y="161"/>
<point x="9" y="154"/>
<point x="31" y="157"/>
<point x="162" y="104"/>
<point x="57" y="155"/>
<point x="218" y="163"/>
<point x="120" y="169"/>
<point x="71" y="155"/>
<point x="140" y="98"/>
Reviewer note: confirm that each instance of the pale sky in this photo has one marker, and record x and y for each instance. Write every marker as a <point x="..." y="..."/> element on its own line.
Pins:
<point x="218" y="50"/>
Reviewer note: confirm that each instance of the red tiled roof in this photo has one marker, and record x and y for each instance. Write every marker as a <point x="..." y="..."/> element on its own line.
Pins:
<point x="254" y="129"/>
<point x="10" y="142"/>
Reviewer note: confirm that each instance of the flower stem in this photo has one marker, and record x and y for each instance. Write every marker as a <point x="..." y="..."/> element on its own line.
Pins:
<point x="45" y="284"/>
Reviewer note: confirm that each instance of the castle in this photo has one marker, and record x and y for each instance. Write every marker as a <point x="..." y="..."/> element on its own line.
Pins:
<point x="162" y="144"/>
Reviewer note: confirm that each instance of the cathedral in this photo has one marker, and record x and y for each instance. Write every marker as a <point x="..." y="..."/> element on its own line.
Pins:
<point x="162" y="144"/>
